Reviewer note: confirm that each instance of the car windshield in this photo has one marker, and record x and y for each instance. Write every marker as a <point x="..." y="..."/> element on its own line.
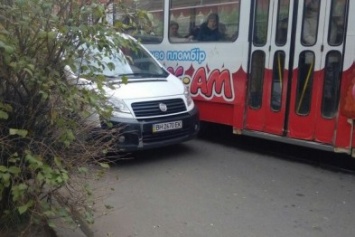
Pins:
<point x="131" y="63"/>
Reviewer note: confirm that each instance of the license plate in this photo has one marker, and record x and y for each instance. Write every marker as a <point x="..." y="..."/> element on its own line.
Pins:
<point x="160" y="127"/>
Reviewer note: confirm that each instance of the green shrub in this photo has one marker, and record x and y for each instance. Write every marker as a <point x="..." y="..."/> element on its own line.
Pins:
<point x="45" y="145"/>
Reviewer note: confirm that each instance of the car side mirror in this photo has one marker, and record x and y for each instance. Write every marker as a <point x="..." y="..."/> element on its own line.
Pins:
<point x="74" y="79"/>
<point x="70" y="75"/>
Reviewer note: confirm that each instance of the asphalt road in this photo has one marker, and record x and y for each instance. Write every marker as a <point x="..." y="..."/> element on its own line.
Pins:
<point x="221" y="186"/>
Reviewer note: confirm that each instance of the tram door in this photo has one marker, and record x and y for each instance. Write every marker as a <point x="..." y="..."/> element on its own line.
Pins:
<point x="295" y="68"/>
<point x="317" y="70"/>
<point x="268" y="66"/>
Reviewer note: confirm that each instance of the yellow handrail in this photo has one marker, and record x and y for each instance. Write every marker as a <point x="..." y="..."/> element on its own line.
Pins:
<point x="304" y="87"/>
<point x="280" y="73"/>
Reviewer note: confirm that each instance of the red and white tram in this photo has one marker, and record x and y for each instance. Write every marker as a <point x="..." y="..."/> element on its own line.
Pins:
<point x="271" y="74"/>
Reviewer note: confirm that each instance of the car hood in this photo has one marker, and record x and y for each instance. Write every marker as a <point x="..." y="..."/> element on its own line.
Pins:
<point x="147" y="88"/>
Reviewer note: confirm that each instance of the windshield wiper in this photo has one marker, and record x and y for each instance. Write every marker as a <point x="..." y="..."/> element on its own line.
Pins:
<point x="113" y="77"/>
<point x="143" y="74"/>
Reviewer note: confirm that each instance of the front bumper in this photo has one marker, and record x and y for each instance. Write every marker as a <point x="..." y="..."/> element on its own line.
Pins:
<point x="137" y="135"/>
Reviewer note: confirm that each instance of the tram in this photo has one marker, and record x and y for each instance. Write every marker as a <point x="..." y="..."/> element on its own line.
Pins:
<point x="279" y="69"/>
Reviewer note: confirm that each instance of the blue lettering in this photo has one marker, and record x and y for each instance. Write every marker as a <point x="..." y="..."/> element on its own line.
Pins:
<point x="195" y="54"/>
<point x="159" y="55"/>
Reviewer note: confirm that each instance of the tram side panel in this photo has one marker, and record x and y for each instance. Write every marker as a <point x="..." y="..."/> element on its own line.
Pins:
<point x="214" y="71"/>
<point x="218" y="78"/>
<point x="347" y="99"/>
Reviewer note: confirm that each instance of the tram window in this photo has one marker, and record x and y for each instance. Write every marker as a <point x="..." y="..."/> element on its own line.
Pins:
<point x="277" y="78"/>
<point x="305" y="82"/>
<point x="256" y="79"/>
<point x="331" y="84"/>
<point x="282" y="22"/>
<point x="336" y="23"/>
<point x="148" y="29"/>
<point x="193" y="15"/>
<point x="310" y="22"/>
<point x="261" y="22"/>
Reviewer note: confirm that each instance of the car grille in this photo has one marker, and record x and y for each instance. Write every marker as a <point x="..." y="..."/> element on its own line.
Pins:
<point x="151" y="108"/>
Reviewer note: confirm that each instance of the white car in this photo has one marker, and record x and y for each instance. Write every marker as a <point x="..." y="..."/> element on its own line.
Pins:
<point x="154" y="107"/>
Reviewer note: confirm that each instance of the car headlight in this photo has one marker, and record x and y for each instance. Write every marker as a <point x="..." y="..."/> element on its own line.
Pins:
<point x="188" y="96"/>
<point x="119" y="106"/>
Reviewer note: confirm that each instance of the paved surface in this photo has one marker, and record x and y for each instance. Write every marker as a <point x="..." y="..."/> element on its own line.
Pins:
<point x="206" y="189"/>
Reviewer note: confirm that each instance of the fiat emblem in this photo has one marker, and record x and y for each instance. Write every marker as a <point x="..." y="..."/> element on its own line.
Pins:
<point x="163" y="107"/>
